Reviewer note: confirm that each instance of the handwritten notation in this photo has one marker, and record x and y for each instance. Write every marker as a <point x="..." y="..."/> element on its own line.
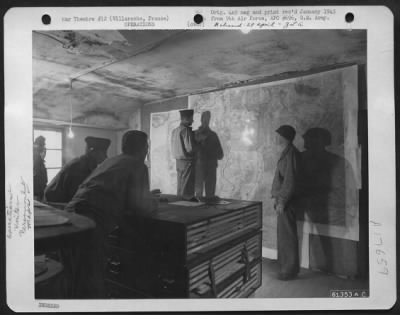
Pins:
<point x="18" y="209"/>
<point x="378" y="247"/>
<point x="9" y="213"/>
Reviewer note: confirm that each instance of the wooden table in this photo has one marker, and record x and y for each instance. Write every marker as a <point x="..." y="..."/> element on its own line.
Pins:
<point x="66" y="240"/>
<point x="49" y="238"/>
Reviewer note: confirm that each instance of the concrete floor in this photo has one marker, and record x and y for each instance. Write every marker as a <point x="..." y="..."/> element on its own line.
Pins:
<point x="308" y="284"/>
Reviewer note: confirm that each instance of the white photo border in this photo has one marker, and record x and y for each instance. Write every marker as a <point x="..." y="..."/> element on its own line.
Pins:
<point x="18" y="26"/>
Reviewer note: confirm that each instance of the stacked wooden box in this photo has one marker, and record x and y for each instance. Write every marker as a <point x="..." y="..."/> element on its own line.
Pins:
<point x="188" y="252"/>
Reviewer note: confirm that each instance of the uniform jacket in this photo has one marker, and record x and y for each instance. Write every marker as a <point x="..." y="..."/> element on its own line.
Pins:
<point x="287" y="175"/>
<point x="65" y="184"/>
<point x="118" y="186"/>
<point x="209" y="146"/>
<point x="182" y="143"/>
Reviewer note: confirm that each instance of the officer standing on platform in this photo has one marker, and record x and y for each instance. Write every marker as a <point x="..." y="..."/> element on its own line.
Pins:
<point x="284" y="188"/>
<point x="183" y="150"/>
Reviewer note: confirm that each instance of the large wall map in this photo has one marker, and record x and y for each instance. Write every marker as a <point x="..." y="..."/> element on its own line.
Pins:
<point x="162" y="164"/>
<point x="245" y="120"/>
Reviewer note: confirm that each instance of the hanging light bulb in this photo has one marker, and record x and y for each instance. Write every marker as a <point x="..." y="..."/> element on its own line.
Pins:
<point x="70" y="133"/>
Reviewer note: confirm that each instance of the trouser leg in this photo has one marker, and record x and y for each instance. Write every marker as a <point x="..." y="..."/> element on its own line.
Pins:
<point x="288" y="248"/>
<point x="179" y="179"/>
<point x="187" y="178"/>
<point x="199" y="179"/>
<point x="210" y="180"/>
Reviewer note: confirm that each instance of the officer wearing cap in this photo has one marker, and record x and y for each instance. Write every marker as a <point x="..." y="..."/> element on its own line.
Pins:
<point x="285" y="185"/>
<point x="64" y="185"/>
<point x="184" y="151"/>
<point x="39" y="167"/>
<point x="117" y="187"/>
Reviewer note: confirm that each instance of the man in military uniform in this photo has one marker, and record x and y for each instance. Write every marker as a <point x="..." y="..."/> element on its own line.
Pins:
<point x="39" y="167"/>
<point x="64" y="185"/>
<point x="184" y="151"/>
<point x="284" y="188"/>
<point x="117" y="188"/>
<point x="209" y="152"/>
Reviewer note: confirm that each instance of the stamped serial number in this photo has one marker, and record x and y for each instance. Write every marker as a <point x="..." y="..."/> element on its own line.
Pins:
<point x="349" y="293"/>
<point x="49" y="305"/>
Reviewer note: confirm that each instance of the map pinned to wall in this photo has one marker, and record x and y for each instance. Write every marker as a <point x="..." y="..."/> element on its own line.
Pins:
<point x="245" y="120"/>
<point x="162" y="164"/>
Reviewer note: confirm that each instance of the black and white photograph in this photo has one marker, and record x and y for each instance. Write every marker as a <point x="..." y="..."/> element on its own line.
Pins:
<point x="241" y="155"/>
<point x="198" y="164"/>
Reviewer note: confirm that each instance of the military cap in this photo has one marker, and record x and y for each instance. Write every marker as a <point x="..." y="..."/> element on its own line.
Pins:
<point x="97" y="143"/>
<point x="186" y="113"/>
<point x="286" y="131"/>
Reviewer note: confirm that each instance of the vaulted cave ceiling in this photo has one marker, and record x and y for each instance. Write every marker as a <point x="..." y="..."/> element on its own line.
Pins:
<point x="115" y="72"/>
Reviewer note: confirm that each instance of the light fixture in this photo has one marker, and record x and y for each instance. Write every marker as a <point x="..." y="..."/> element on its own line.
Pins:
<point x="70" y="133"/>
